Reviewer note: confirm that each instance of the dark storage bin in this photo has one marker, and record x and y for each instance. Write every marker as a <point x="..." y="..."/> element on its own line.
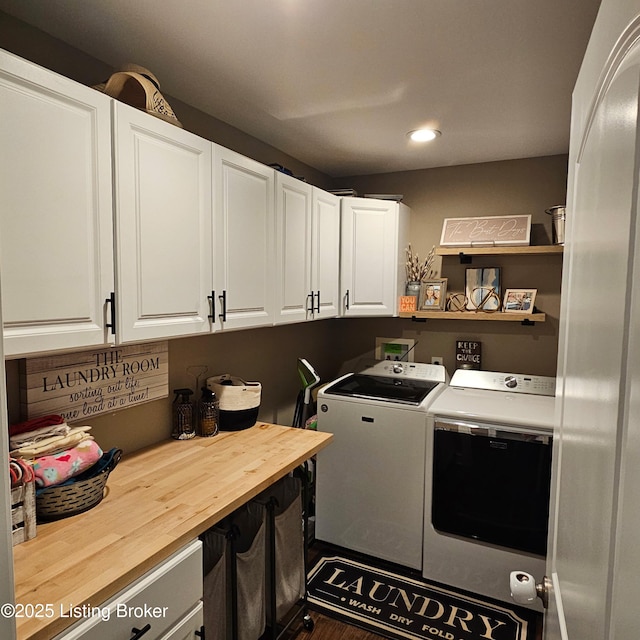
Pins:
<point x="234" y="570"/>
<point x="285" y="545"/>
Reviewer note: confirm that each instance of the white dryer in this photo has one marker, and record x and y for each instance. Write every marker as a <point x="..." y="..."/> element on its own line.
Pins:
<point x="489" y="449"/>
<point x="370" y="481"/>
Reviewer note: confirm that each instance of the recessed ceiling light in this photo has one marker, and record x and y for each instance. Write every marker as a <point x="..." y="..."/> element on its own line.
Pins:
<point x="423" y="135"/>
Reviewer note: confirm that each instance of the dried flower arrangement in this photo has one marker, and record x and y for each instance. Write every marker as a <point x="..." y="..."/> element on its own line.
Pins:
<point x="418" y="271"/>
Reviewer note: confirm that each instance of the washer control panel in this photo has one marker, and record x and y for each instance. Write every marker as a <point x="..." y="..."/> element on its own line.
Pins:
<point x="511" y="382"/>
<point x="408" y="370"/>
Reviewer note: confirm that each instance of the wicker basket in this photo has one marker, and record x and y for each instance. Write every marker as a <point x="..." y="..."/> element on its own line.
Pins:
<point x="63" y="501"/>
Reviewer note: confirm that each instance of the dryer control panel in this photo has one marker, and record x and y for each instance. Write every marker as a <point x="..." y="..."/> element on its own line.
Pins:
<point x="511" y="382"/>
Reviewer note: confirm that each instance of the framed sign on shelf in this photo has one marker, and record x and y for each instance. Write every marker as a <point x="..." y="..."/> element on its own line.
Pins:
<point x="486" y="231"/>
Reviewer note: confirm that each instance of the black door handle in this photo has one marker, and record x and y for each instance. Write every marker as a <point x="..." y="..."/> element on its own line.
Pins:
<point x="138" y="633"/>
<point x="111" y="300"/>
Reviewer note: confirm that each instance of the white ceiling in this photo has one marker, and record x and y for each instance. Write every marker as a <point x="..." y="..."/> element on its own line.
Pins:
<point x="338" y="83"/>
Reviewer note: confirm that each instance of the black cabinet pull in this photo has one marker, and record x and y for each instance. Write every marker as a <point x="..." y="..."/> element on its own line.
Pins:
<point x="138" y="633"/>
<point x="312" y="297"/>
<point x="318" y="305"/>
<point x="223" y="300"/>
<point x="346" y="300"/>
<point x="212" y="297"/>
<point x="111" y="300"/>
<point x="200" y="634"/>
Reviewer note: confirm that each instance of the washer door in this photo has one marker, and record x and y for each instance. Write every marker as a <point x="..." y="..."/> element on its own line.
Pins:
<point x="397" y="390"/>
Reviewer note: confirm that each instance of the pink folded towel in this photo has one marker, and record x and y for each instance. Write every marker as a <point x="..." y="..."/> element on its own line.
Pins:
<point x="57" y="468"/>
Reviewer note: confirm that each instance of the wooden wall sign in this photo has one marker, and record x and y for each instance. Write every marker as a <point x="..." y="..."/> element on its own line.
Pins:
<point x="486" y="231"/>
<point x="83" y="384"/>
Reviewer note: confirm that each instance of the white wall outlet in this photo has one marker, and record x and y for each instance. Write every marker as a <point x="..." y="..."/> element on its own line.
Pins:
<point x="437" y="360"/>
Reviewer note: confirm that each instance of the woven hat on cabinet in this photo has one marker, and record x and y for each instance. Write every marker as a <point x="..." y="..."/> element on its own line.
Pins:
<point x="138" y="87"/>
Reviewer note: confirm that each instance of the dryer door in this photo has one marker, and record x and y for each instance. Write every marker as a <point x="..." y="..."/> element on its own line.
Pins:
<point x="491" y="483"/>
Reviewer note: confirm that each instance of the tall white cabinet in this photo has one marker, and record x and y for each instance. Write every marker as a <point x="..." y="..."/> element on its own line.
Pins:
<point x="374" y="237"/>
<point x="163" y="210"/>
<point x="55" y="210"/>
<point x="244" y="255"/>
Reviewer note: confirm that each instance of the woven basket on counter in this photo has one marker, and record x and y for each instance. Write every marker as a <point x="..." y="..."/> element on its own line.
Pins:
<point x="63" y="501"/>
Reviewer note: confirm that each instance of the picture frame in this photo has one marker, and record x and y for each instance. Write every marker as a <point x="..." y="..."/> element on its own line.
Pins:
<point x="492" y="231"/>
<point x="433" y="296"/>
<point x="483" y="289"/>
<point x="519" y="300"/>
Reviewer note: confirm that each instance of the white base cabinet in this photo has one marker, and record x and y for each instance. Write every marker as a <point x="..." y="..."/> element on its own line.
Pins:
<point x="56" y="240"/>
<point x="167" y="601"/>
<point x="374" y="238"/>
<point x="164" y="270"/>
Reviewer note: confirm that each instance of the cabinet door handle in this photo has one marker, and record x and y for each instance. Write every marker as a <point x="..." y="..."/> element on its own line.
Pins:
<point x="318" y="305"/>
<point x="223" y="300"/>
<point x="312" y="297"/>
<point x="212" y="297"/>
<point x="138" y="633"/>
<point x="346" y="300"/>
<point x="200" y="633"/>
<point x="111" y="300"/>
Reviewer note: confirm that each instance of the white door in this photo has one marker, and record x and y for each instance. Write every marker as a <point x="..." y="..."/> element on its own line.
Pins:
<point x="369" y="257"/>
<point x="244" y="225"/>
<point x="55" y="210"/>
<point x="325" y="254"/>
<point x="7" y="592"/>
<point x="594" y="558"/>
<point x="294" y="301"/>
<point x="163" y="228"/>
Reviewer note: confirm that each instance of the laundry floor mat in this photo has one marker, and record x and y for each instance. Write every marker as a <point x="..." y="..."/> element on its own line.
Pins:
<point x="400" y="607"/>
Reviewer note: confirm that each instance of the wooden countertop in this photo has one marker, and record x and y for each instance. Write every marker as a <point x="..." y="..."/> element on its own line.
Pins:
<point x="158" y="500"/>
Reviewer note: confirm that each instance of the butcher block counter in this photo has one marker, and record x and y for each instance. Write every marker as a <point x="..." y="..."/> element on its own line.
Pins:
<point x="158" y="499"/>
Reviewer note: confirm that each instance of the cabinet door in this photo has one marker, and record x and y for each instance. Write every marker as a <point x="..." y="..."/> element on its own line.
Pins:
<point x="325" y="254"/>
<point x="163" y="598"/>
<point x="189" y="628"/>
<point x="163" y="228"/>
<point x="55" y="210"/>
<point x="244" y="240"/>
<point x="294" y="300"/>
<point x="369" y="267"/>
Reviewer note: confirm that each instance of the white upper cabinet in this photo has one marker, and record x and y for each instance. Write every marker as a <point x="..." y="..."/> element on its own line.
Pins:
<point x="294" y="299"/>
<point x="307" y="251"/>
<point x="56" y="239"/>
<point x="244" y="248"/>
<point x="325" y="254"/>
<point x="374" y="237"/>
<point x="163" y="200"/>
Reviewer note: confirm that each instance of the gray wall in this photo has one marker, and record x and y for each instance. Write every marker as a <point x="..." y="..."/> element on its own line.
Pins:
<point x="333" y="346"/>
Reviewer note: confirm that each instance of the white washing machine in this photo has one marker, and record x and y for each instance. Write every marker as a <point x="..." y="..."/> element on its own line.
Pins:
<point x="370" y="481"/>
<point x="489" y="448"/>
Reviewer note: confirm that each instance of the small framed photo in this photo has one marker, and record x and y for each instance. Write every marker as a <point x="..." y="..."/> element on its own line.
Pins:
<point x="434" y="295"/>
<point x="482" y="288"/>
<point x="519" y="300"/>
